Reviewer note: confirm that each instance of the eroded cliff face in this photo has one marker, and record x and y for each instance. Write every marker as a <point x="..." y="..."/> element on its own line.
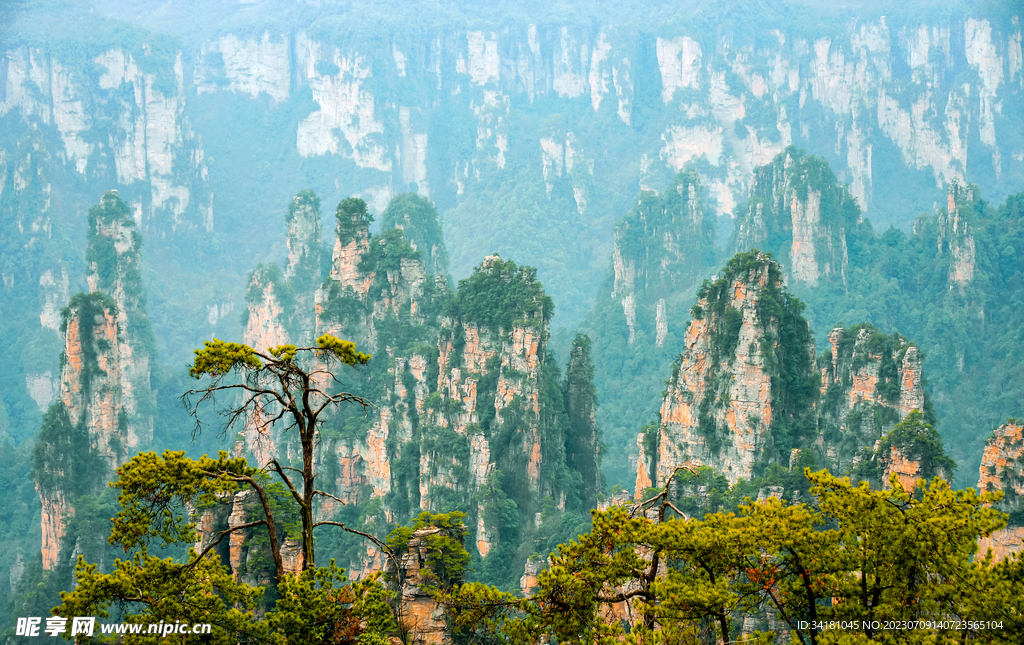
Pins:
<point x="659" y="250"/>
<point x="719" y="406"/>
<point x="736" y="105"/>
<point x="1002" y="469"/>
<point x="89" y="418"/>
<point x="148" y="139"/>
<point x="104" y="409"/>
<point x="747" y="392"/>
<point x="869" y="383"/>
<point x="796" y="197"/>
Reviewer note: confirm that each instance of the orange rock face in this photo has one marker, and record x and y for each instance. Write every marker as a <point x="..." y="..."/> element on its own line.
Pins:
<point x="1003" y="543"/>
<point x="1002" y="469"/>
<point x="423" y="617"/>
<point x="1003" y="449"/>
<point x="54" y="510"/>
<point x="851" y="377"/>
<point x="743" y="410"/>
<point x="909" y="472"/>
<point x="528" y="582"/>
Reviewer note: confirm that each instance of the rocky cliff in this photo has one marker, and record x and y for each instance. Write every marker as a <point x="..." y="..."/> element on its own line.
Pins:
<point x="104" y="411"/>
<point x="741" y="391"/>
<point x="745" y="392"/>
<point x="869" y="382"/>
<point x="124" y="121"/>
<point x="799" y="207"/>
<point x="1002" y="469"/>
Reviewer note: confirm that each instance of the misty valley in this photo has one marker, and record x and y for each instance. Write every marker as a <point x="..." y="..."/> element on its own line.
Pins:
<point x="443" y="323"/>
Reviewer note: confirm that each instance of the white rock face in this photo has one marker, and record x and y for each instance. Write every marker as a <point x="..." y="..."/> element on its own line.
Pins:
<point x="683" y="144"/>
<point x="569" y="66"/>
<point x="413" y="154"/>
<point x="54" y="292"/>
<point x="806" y="222"/>
<point x="43" y="388"/>
<point x="484" y="63"/>
<point x="45" y="90"/>
<point x="982" y="56"/>
<point x="920" y="145"/>
<point x="149" y="129"/>
<point x="623" y="90"/>
<point x="679" y="61"/>
<point x="147" y="146"/>
<point x="249" y="66"/>
<point x="346" y="109"/>
<point x="599" y="77"/>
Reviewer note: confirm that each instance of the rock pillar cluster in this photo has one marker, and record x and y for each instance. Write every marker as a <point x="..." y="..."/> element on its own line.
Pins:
<point x="469" y="412"/>
<point x="747" y="391"/>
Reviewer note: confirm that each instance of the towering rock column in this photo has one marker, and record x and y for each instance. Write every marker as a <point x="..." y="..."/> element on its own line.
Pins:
<point x="112" y="267"/>
<point x="490" y="375"/>
<point x="305" y="240"/>
<point x="582" y="445"/>
<point x="104" y="412"/>
<point x="726" y="392"/>
<point x="956" y="234"/>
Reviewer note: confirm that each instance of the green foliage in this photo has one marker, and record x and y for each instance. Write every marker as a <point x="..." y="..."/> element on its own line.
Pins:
<point x="500" y="295"/>
<point x="218" y="358"/>
<point x="417" y="217"/>
<point x="63" y="458"/>
<point x="888" y="555"/>
<point x="320" y="606"/>
<point x="353" y="219"/>
<point x="106" y="221"/>
<point x="919" y="441"/>
<point x="343" y="350"/>
<point x="442" y="534"/>
<point x="727" y="336"/>
<point x="582" y="437"/>
<point x="150" y="590"/>
<point x="155" y="490"/>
